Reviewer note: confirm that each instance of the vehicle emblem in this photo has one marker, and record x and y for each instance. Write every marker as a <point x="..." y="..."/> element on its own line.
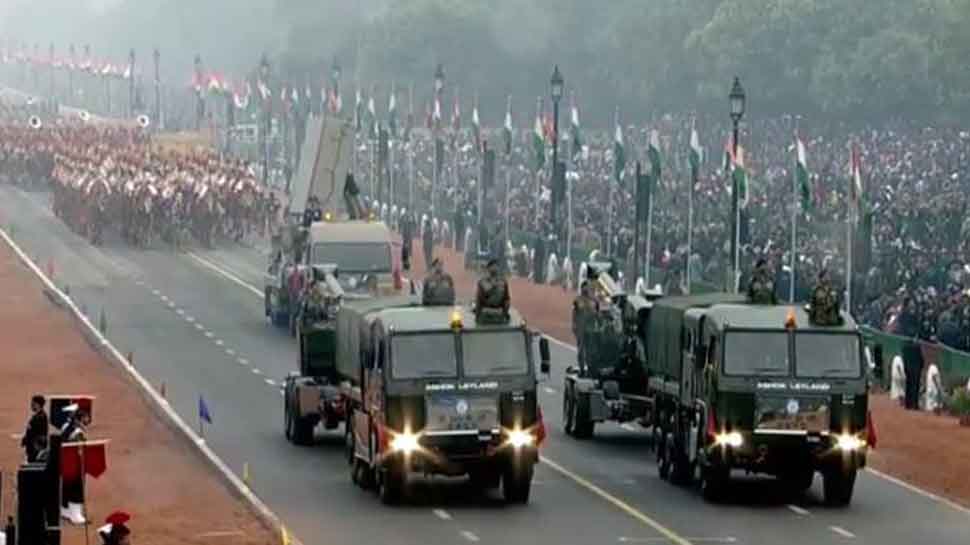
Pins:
<point x="461" y="407"/>
<point x="792" y="407"/>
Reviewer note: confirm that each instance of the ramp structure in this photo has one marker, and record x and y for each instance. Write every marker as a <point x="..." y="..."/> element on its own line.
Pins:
<point x="324" y="163"/>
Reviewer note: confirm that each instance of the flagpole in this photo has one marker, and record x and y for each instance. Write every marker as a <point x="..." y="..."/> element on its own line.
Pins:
<point x="647" y="260"/>
<point x="508" y="196"/>
<point x="609" y="221"/>
<point x="794" y="226"/>
<point x="848" y="268"/>
<point x="690" y="226"/>
<point x="410" y="152"/>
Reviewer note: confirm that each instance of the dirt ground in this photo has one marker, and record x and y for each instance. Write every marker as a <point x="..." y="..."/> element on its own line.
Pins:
<point x="173" y="497"/>
<point x="926" y="450"/>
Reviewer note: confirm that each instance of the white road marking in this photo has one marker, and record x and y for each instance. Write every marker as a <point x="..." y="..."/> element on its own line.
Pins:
<point x="628" y="426"/>
<point x="797" y="510"/>
<point x="549" y="390"/>
<point x="669" y="535"/>
<point x="270" y="381"/>
<point x="189" y="318"/>
<point x="243" y="361"/>
<point x="163" y="298"/>
<point x="257" y="371"/>
<point x="139" y="282"/>
<point x="209" y="334"/>
<point x="225" y="274"/>
<point x="842" y="532"/>
<point x="199" y="327"/>
<point x="629" y="482"/>
<point x="226" y="533"/>
<point x="180" y="312"/>
<point x="219" y="342"/>
<point x="230" y="352"/>
<point x="442" y="514"/>
<point x="156" y="293"/>
<point x="171" y="304"/>
<point x="469" y="536"/>
<point x="726" y="539"/>
<point x="920" y="491"/>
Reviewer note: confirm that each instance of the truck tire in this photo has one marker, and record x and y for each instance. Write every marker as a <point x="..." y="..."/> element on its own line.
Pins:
<point x="267" y="307"/>
<point x="568" y="423"/>
<point x="392" y="483"/>
<point x="299" y="429"/>
<point x="583" y="425"/>
<point x="838" y="485"/>
<point x="680" y="470"/>
<point x="517" y="482"/>
<point x="714" y="482"/>
<point x="663" y="461"/>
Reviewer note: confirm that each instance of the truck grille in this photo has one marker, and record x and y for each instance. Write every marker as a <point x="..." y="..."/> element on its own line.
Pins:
<point x="792" y="414"/>
<point x="456" y="412"/>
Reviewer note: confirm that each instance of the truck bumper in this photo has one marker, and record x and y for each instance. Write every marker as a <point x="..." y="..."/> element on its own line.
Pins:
<point x="784" y="455"/>
<point x="455" y="459"/>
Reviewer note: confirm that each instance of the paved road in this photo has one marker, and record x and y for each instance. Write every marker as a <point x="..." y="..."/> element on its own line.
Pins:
<point x="194" y="322"/>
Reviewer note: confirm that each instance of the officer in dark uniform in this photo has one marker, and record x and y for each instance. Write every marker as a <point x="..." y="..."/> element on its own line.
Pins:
<point x="35" y="438"/>
<point x="761" y="289"/>
<point x="824" y="305"/>
<point x="539" y="263"/>
<point x="407" y="238"/>
<point x="492" y="298"/>
<point x="313" y="212"/>
<point x="460" y="226"/>
<point x="439" y="287"/>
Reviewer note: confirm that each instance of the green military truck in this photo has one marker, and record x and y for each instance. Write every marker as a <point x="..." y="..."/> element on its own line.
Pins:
<point x="758" y="388"/>
<point x="431" y="391"/>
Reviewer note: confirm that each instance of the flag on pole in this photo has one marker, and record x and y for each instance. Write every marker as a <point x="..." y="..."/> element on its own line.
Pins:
<point x="801" y="174"/>
<point x="371" y="116"/>
<point x="409" y="125"/>
<point x="436" y="114"/>
<point x="91" y="455"/>
<point x="653" y="152"/>
<point x="619" y="152"/>
<point x="204" y="415"/>
<point x="538" y="138"/>
<point x="695" y="155"/>
<point x="476" y="127"/>
<point x="507" y="127"/>
<point x="740" y="177"/>
<point x="358" y="110"/>
<point x="456" y="117"/>
<point x="576" y="136"/>
<point x="856" y="198"/>
<point x="392" y="112"/>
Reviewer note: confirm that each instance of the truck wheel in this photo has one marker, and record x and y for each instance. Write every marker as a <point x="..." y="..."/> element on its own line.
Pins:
<point x="838" y="485"/>
<point x="663" y="461"/>
<point x="361" y="474"/>
<point x="287" y="425"/>
<point x="569" y="424"/>
<point x="583" y="424"/>
<point x="349" y="447"/>
<point x="714" y="482"/>
<point x="680" y="472"/>
<point x="392" y="483"/>
<point x="299" y="429"/>
<point x="517" y="482"/>
<point x="267" y="307"/>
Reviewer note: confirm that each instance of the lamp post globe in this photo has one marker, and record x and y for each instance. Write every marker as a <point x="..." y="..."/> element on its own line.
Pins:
<point x="439" y="78"/>
<point x="335" y="70"/>
<point x="737" y="99"/>
<point x="556" y="84"/>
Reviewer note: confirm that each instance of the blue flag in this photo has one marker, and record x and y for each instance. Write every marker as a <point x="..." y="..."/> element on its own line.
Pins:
<point x="204" y="411"/>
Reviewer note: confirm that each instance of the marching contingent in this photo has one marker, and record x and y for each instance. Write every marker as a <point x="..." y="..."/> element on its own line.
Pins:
<point x="112" y="178"/>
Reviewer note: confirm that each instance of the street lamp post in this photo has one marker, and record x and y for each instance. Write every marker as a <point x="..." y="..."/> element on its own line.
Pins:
<point x="70" y="74"/>
<point x="52" y="100"/>
<point x="131" y="83"/>
<point x="267" y="120"/>
<point x="335" y="83"/>
<point x="737" y="100"/>
<point x="439" y="86"/>
<point x="555" y="86"/>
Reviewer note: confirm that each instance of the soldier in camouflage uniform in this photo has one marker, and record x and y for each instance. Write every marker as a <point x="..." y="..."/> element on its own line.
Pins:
<point x="761" y="289"/>
<point x="439" y="287"/>
<point x="492" y="298"/>
<point x="824" y="307"/>
<point x="584" y="312"/>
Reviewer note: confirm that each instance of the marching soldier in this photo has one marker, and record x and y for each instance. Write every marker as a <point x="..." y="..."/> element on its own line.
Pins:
<point x="439" y="287"/>
<point x="761" y="289"/>
<point x="492" y="298"/>
<point x="427" y="239"/>
<point x="114" y="532"/>
<point x="824" y="306"/>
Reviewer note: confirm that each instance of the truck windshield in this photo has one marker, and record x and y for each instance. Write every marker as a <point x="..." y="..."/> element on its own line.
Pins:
<point x="823" y="356"/>
<point x="430" y="355"/>
<point x="760" y="353"/>
<point x="494" y="353"/>
<point x="353" y="257"/>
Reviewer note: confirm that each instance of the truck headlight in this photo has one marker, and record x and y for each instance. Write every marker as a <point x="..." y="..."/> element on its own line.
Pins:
<point x="405" y="443"/>
<point x="732" y="439"/>
<point x="520" y="438"/>
<point x="849" y="443"/>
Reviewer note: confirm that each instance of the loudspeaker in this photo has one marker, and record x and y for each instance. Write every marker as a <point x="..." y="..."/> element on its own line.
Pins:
<point x="31" y="523"/>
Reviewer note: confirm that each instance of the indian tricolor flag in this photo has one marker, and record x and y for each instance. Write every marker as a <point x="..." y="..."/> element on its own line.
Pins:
<point x="653" y="152"/>
<point x="619" y="152"/>
<point x="539" y="138"/>
<point x="740" y="177"/>
<point x="855" y="184"/>
<point x="695" y="154"/>
<point x="577" y="135"/>
<point x="507" y="126"/>
<point x="801" y="174"/>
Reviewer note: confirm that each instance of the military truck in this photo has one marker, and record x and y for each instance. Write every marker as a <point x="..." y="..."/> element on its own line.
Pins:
<point x="432" y="391"/>
<point x="759" y="388"/>
<point x="608" y="383"/>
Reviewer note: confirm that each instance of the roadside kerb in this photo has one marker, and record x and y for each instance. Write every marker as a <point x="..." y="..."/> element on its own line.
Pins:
<point x="100" y="343"/>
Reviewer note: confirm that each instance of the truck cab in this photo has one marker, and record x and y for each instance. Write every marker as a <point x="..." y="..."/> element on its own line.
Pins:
<point x="760" y="388"/>
<point x="434" y="392"/>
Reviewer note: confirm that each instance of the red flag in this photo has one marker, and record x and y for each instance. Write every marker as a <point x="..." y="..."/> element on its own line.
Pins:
<point x="95" y="459"/>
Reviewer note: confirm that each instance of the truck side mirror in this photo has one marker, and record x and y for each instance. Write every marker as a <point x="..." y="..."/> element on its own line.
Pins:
<point x="544" y="355"/>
